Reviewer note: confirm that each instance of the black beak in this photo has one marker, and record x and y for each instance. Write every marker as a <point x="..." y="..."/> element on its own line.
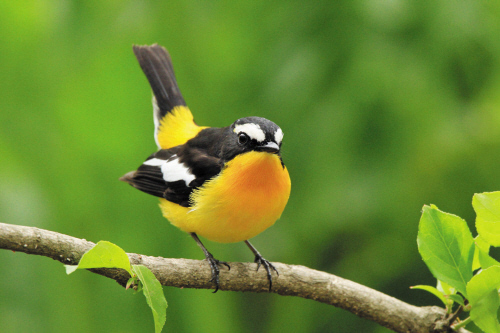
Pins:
<point x="269" y="147"/>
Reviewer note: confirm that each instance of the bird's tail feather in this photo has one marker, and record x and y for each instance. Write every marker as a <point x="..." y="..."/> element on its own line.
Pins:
<point x="157" y="66"/>
<point x="174" y="123"/>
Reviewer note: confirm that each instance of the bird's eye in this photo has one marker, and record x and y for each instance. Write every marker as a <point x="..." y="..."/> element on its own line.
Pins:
<point x="243" y="138"/>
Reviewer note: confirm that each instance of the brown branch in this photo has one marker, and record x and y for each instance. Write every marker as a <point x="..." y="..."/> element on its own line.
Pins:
<point x="292" y="281"/>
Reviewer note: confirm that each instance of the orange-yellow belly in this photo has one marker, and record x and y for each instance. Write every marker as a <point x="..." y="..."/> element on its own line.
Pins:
<point x="245" y="199"/>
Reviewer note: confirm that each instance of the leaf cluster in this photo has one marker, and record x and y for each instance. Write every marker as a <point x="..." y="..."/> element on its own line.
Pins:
<point x="467" y="276"/>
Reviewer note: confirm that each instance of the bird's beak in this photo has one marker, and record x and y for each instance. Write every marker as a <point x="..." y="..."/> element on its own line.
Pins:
<point x="269" y="147"/>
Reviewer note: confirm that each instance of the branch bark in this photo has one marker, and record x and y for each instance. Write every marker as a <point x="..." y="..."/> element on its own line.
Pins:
<point x="293" y="280"/>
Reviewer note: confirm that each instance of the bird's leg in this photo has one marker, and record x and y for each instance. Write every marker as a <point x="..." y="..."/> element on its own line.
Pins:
<point x="214" y="263"/>
<point x="259" y="259"/>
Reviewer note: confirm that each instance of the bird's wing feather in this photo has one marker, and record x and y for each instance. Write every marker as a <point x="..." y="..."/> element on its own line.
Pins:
<point x="173" y="174"/>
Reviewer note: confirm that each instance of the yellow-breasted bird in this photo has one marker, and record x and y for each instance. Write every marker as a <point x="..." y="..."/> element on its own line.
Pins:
<point x="226" y="184"/>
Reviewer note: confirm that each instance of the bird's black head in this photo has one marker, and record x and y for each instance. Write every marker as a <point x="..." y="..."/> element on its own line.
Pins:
<point x="253" y="133"/>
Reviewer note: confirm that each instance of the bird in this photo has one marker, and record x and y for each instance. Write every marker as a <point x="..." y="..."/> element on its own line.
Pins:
<point x="226" y="184"/>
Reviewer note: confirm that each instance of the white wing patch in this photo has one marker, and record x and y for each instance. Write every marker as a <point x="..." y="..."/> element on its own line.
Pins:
<point x="172" y="169"/>
<point x="252" y="130"/>
<point x="154" y="162"/>
<point x="278" y="136"/>
<point x="156" y="119"/>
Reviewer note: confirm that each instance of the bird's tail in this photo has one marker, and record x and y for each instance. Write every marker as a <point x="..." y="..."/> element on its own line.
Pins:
<point x="157" y="66"/>
<point x="174" y="123"/>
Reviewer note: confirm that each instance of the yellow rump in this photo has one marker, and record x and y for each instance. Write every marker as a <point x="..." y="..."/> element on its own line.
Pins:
<point x="177" y="127"/>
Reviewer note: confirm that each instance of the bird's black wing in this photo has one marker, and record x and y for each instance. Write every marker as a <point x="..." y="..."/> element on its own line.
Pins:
<point x="174" y="173"/>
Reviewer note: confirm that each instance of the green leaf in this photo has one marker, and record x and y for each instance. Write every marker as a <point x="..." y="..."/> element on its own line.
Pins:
<point x="486" y="260"/>
<point x="483" y="296"/>
<point x="445" y="288"/>
<point x="482" y="259"/>
<point x="487" y="207"/>
<point x="449" y="292"/>
<point x="446" y="246"/>
<point x="481" y="244"/>
<point x="103" y="255"/>
<point x="154" y="295"/>
<point x="433" y="291"/>
<point x="456" y="298"/>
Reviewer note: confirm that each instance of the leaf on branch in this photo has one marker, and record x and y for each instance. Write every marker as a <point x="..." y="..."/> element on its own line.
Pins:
<point x="103" y="255"/>
<point x="483" y="257"/>
<point x="153" y="292"/>
<point x="445" y="288"/>
<point x="487" y="207"/>
<point x="483" y="296"/>
<point x="433" y="291"/>
<point x="480" y="245"/>
<point x="446" y="246"/>
<point x="456" y="298"/>
<point x="108" y="255"/>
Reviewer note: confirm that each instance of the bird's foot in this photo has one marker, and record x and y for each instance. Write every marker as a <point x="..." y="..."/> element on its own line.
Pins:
<point x="214" y="263"/>
<point x="259" y="260"/>
<point x="214" y="266"/>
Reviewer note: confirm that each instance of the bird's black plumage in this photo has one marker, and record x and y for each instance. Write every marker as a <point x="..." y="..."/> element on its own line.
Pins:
<point x="204" y="157"/>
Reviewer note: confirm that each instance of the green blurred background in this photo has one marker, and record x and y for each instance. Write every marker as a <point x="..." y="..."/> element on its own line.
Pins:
<point x="385" y="105"/>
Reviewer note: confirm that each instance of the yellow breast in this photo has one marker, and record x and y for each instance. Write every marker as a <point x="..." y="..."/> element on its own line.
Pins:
<point x="246" y="198"/>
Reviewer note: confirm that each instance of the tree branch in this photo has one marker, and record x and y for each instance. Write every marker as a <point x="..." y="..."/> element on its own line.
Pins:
<point x="293" y="280"/>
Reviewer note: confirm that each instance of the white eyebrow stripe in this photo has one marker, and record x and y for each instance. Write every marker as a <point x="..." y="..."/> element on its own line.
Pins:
<point x="172" y="170"/>
<point x="278" y="136"/>
<point x="252" y="130"/>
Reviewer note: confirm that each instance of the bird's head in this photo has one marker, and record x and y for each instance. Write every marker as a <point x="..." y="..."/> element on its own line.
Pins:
<point x="253" y="134"/>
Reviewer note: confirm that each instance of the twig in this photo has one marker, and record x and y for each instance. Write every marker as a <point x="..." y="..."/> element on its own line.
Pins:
<point x="461" y="324"/>
<point x="455" y="315"/>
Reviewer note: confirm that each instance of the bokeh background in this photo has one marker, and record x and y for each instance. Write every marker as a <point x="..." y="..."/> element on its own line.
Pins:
<point x="385" y="105"/>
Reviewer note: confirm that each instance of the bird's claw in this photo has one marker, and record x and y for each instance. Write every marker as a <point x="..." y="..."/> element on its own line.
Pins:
<point x="259" y="260"/>
<point x="214" y="267"/>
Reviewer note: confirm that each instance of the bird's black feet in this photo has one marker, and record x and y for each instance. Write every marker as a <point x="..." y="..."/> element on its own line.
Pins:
<point x="214" y="266"/>
<point x="268" y="267"/>
<point x="259" y="260"/>
<point x="214" y="263"/>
